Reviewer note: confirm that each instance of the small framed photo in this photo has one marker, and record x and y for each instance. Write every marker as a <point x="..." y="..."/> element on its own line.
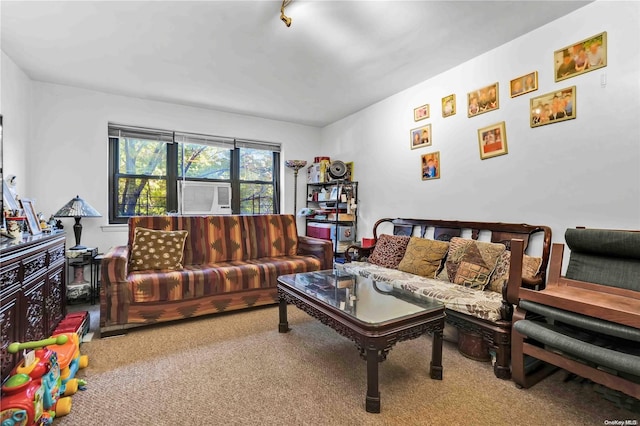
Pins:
<point x="483" y="100"/>
<point x="32" y="216"/>
<point x="492" y="140"/>
<point x="553" y="107"/>
<point x="449" y="105"/>
<point x="524" y="84"/>
<point x="421" y="136"/>
<point x="430" y="166"/>
<point x="580" y="57"/>
<point x="421" y="112"/>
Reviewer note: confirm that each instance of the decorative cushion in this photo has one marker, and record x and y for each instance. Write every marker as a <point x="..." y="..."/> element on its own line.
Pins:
<point x="530" y="267"/>
<point x="470" y="263"/>
<point x="153" y="249"/>
<point x="389" y="250"/>
<point x="423" y="257"/>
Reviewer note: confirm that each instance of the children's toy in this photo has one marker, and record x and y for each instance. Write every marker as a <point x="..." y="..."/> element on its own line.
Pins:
<point x="70" y="362"/>
<point x="32" y="395"/>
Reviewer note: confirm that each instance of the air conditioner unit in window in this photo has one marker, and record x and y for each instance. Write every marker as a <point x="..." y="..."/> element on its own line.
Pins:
<point x="204" y="198"/>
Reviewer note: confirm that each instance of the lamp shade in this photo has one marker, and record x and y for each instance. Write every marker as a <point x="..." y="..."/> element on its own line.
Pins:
<point x="77" y="207"/>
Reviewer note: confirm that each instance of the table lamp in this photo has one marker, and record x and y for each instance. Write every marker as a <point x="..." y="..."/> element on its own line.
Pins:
<point x="77" y="208"/>
<point x="296" y="165"/>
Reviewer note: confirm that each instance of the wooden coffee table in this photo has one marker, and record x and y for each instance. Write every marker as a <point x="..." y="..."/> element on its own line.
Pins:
<point x="374" y="315"/>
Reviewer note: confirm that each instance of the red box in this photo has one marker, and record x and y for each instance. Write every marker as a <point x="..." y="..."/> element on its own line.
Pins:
<point x="367" y="242"/>
<point x="319" y="230"/>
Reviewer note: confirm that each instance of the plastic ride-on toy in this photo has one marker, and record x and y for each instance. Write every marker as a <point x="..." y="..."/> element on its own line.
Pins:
<point x="33" y="395"/>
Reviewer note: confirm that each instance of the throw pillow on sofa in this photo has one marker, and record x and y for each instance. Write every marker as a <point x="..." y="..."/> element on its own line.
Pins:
<point x="153" y="249"/>
<point x="423" y="256"/>
<point x="530" y="267"/>
<point x="389" y="250"/>
<point x="470" y="263"/>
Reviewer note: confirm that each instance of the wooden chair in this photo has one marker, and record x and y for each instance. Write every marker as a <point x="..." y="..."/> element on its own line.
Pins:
<point x="588" y="321"/>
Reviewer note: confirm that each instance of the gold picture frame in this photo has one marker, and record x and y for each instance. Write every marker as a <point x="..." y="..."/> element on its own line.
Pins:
<point x="421" y="112"/>
<point x="430" y="165"/>
<point x="492" y="140"/>
<point x="32" y="216"/>
<point x="524" y="84"/>
<point x="578" y="58"/>
<point x="420" y="136"/>
<point x="483" y="100"/>
<point x="553" y="107"/>
<point x="449" y="105"/>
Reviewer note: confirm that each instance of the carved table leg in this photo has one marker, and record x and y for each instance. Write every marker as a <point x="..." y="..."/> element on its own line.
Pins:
<point x="436" y="356"/>
<point x="372" y="404"/>
<point x="283" y="325"/>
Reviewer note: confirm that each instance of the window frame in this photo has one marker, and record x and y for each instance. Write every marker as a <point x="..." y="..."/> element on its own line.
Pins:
<point x="173" y="176"/>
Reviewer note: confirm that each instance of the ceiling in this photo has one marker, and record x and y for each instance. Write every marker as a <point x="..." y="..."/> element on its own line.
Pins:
<point x="337" y="57"/>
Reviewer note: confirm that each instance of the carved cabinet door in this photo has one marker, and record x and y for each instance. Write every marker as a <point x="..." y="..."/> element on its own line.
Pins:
<point x="9" y="327"/>
<point x="33" y="322"/>
<point x="55" y="297"/>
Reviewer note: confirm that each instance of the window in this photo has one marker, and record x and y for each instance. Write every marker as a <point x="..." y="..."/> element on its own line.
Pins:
<point x="146" y="165"/>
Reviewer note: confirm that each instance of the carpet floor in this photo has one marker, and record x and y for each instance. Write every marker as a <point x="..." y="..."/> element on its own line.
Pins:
<point x="236" y="369"/>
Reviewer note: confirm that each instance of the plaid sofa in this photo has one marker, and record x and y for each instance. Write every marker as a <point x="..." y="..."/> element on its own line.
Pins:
<point x="230" y="262"/>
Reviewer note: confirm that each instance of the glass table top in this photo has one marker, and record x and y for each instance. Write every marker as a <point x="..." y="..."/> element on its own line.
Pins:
<point x="362" y="298"/>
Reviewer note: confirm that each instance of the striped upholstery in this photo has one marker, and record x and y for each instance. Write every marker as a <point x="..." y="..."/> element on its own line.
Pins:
<point x="230" y="262"/>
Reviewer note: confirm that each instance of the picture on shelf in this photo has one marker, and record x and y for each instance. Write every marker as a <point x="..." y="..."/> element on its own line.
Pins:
<point x="32" y="216"/>
<point x="524" y="84"/>
<point x="483" y="100"/>
<point x="421" y="112"/>
<point x="431" y="166"/>
<point x="449" y="105"/>
<point x="583" y="56"/>
<point x="492" y="140"/>
<point x="553" y="107"/>
<point x="421" y="136"/>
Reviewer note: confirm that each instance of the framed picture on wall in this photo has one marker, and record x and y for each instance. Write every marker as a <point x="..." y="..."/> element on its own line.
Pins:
<point x="553" y="107"/>
<point x="421" y="112"/>
<point x="492" y="140"/>
<point x="524" y="84"/>
<point x="483" y="100"/>
<point x="580" y="57"/>
<point x="430" y="165"/>
<point x="420" y="136"/>
<point x="32" y="216"/>
<point x="449" y="105"/>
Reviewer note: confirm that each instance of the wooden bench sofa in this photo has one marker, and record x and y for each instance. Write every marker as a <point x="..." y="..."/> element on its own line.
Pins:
<point x="221" y="263"/>
<point x="587" y="321"/>
<point x="480" y="307"/>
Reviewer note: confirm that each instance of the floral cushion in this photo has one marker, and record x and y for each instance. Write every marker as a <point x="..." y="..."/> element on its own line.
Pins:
<point x="423" y="257"/>
<point x="153" y="249"/>
<point x="530" y="267"/>
<point x="480" y="304"/>
<point x="389" y="250"/>
<point x="470" y="263"/>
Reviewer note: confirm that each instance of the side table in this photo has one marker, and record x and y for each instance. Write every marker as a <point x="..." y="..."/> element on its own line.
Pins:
<point x="80" y="288"/>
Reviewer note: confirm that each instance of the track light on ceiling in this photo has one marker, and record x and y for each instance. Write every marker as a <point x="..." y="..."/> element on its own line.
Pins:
<point x="283" y="17"/>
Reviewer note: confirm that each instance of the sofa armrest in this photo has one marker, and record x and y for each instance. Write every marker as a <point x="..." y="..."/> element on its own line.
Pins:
<point x="322" y="249"/>
<point x="114" y="290"/>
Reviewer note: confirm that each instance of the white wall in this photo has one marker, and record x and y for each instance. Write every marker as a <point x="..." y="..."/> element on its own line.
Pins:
<point x="577" y="172"/>
<point x="68" y="147"/>
<point x="16" y="119"/>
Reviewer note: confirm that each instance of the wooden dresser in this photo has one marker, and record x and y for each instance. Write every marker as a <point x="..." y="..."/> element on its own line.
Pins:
<point x="32" y="291"/>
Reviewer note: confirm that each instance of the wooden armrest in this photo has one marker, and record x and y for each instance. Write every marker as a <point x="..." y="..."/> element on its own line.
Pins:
<point x="362" y="252"/>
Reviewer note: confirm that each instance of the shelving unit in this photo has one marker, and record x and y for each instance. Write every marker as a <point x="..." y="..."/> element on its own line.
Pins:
<point x="334" y="206"/>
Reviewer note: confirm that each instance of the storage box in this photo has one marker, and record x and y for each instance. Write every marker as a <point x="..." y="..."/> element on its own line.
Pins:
<point x="327" y="231"/>
<point x="319" y="230"/>
<point x="345" y="233"/>
<point x="367" y="242"/>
